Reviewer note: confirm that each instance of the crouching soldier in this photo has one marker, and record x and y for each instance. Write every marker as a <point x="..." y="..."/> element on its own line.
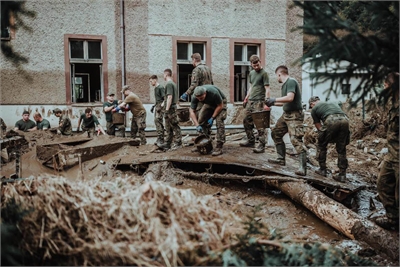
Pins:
<point x="64" y="124"/>
<point x="214" y="108"/>
<point x="333" y="127"/>
<point x="89" y="123"/>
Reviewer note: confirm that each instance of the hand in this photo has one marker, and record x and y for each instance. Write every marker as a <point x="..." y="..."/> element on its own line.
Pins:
<point x="116" y="109"/>
<point x="210" y="121"/>
<point x="127" y="108"/>
<point x="245" y="102"/>
<point x="270" y="102"/>
<point x="199" y="128"/>
<point x="266" y="108"/>
<point x="152" y="108"/>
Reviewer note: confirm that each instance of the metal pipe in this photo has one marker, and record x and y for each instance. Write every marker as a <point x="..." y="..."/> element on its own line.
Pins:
<point x="122" y="32"/>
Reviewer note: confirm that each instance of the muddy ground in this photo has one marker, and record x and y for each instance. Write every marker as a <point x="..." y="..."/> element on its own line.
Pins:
<point x="365" y="153"/>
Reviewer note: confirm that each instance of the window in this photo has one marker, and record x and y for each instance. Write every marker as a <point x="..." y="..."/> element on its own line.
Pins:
<point x="242" y="67"/>
<point x="86" y="68"/>
<point x="183" y="49"/>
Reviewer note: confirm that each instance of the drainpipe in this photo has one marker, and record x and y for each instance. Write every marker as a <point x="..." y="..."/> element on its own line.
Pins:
<point x="122" y="29"/>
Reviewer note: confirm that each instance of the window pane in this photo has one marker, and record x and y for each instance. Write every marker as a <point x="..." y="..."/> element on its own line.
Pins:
<point x="183" y="51"/>
<point x="199" y="48"/>
<point x="94" y="50"/>
<point x="251" y="50"/>
<point x="76" y="49"/>
<point x="238" y="53"/>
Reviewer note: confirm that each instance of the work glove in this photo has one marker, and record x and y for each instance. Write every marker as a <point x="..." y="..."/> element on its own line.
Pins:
<point x="152" y="108"/>
<point x="210" y="121"/>
<point x="116" y="109"/>
<point x="127" y="108"/>
<point x="184" y="97"/>
<point x="199" y="128"/>
<point x="270" y="102"/>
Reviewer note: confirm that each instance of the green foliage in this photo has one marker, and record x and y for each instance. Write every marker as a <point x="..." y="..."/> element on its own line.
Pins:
<point x="366" y="34"/>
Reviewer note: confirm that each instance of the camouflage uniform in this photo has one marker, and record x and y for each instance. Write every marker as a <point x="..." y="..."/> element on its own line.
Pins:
<point x="65" y="125"/>
<point x="335" y="129"/>
<point x="110" y="127"/>
<point x="248" y="123"/>
<point x="200" y="75"/>
<point x="159" y="93"/>
<point x="388" y="180"/>
<point x="3" y="128"/>
<point x="173" y="131"/>
<point x="138" y="125"/>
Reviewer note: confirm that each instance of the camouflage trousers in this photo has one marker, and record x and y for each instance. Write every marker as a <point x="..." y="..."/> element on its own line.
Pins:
<point x="90" y="130"/>
<point x="138" y="125"/>
<point x="159" y="121"/>
<point x="205" y="114"/>
<point x="172" y="128"/>
<point x="110" y="128"/>
<point x="290" y="122"/>
<point x="388" y="188"/>
<point x="248" y="123"/>
<point x="334" y="130"/>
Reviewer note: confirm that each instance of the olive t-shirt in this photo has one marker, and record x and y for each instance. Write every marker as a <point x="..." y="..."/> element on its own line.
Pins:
<point x="109" y="114"/>
<point x="172" y="89"/>
<point x="214" y="97"/>
<point x="43" y="125"/>
<point x="258" y="80"/>
<point x="323" y="109"/>
<point x="135" y="104"/>
<point x="159" y="93"/>
<point x="25" y="125"/>
<point x="89" y="122"/>
<point x="292" y="86"/>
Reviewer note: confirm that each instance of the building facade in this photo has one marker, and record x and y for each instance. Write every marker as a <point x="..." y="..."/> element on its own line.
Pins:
<point x="79" y="50"/>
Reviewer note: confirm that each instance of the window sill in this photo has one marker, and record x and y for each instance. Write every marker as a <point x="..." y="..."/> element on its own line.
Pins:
<point x="88" y="105"/>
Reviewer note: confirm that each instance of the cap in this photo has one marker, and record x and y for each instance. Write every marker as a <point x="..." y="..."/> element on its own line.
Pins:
<point x="312" y="100"/>
<point x="126" y="87"/>
<point x="110" y="94"/>
<point x="57" y="110"/>
<point x="200" y="90"/>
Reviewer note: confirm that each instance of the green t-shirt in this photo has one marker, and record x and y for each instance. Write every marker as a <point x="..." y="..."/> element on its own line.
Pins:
<point x="159" y="93"/>
<point x="43" y="125"/>
<point x="25" y="125"/>
<point x="214" y="97"/>
<point x="258" y="80"/>
<point x="172" y="89"/>
<point x="323" y="109"/>
<point x="292" y="86"/>
<point x="109" y="114"/>
<point x="89" y="122"/>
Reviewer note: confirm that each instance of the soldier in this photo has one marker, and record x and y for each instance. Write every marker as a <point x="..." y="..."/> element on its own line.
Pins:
<point x="159" y="93"/>
<point x="258" y="91"/>
<point x="201" y="75"/>
<point x="4" y="152"/>
<point x="138" y="123"/>
<point x="89" y="123"/>
<point x="388" y="179"/>
<point x="333" y="127"/>
<point x="64" y="124"/>
<point x="108" y="106"/>
<point x="41" y="123"/>
<point x="214" y="108"/>
<point x="171" y="119"/>
<point x="25" y="124"/>
<point x="291" y="120"/>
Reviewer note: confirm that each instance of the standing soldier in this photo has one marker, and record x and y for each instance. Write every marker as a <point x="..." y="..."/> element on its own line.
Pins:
<point x="171" y="119"/>
<point x="201" y="75"/>
<point x="159" y="93"/>
<point x="254" y="101"/>
<point x="89" y="123"/>
<point x="64" y="124"/>
<point x="41" y="123"/>
<point x="214" y="108"/>
<point x="291" y="120"/>
<point x="388" y="179"/>
<point x="334" y="129"/>
<point x="138" y="124"/>
<point x="108" y="106"/>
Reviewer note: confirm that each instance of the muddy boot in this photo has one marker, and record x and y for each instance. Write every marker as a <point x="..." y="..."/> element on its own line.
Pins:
<point x="165" y="146"/>
<point x="281" y="150"/>
<point x="322" y="172"/>
<point x="159" y="142"/>
<point x="218" y="150"/>
<point x="260" y="148"/>
<point x="303" y="164"/>
<point x="386" y="223"/>
<point x="247" y="143"/>
<point x="341" y="177"/>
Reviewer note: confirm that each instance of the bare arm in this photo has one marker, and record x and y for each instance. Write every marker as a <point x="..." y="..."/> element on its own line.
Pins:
<point x="318" y="126"/>
<point x="284" y="99"/>
<point x="101" y="129"/>
<point x="217" y="110"/>
<point x="169" y="102"/>
<point x="193" y="117"/>
<point x="267" y="91"/>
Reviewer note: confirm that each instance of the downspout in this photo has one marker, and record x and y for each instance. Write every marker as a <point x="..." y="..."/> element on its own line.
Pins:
<point x="122" y="29"/>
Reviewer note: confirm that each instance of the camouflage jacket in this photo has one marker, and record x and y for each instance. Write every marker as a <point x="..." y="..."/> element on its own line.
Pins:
<point x="65" y="125"/>
<point x="393" y="132"/>
<point x="200" y="75"/>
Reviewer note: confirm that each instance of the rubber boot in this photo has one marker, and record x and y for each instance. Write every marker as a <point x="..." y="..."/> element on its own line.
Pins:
<point x="260" y="148"/>
<point x="303" y="164"/>
<point x="247" y="143"/>
<point x="281" y="150"/>
<point x="322" y="170"/>
<point x="218" y="150"/>
<point x="341" y="177"/>
<point x="165" y="146"/>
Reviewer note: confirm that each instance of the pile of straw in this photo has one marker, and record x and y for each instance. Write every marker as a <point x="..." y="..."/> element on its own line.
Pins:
<point x="117" y="222"/>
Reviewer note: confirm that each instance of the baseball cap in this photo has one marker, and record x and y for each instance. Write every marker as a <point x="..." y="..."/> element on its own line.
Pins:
<point x="57" y="110"/>
<point x="312" y="100"/>
<point x="200" y="90"/>
<point x="110" y="94"/>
